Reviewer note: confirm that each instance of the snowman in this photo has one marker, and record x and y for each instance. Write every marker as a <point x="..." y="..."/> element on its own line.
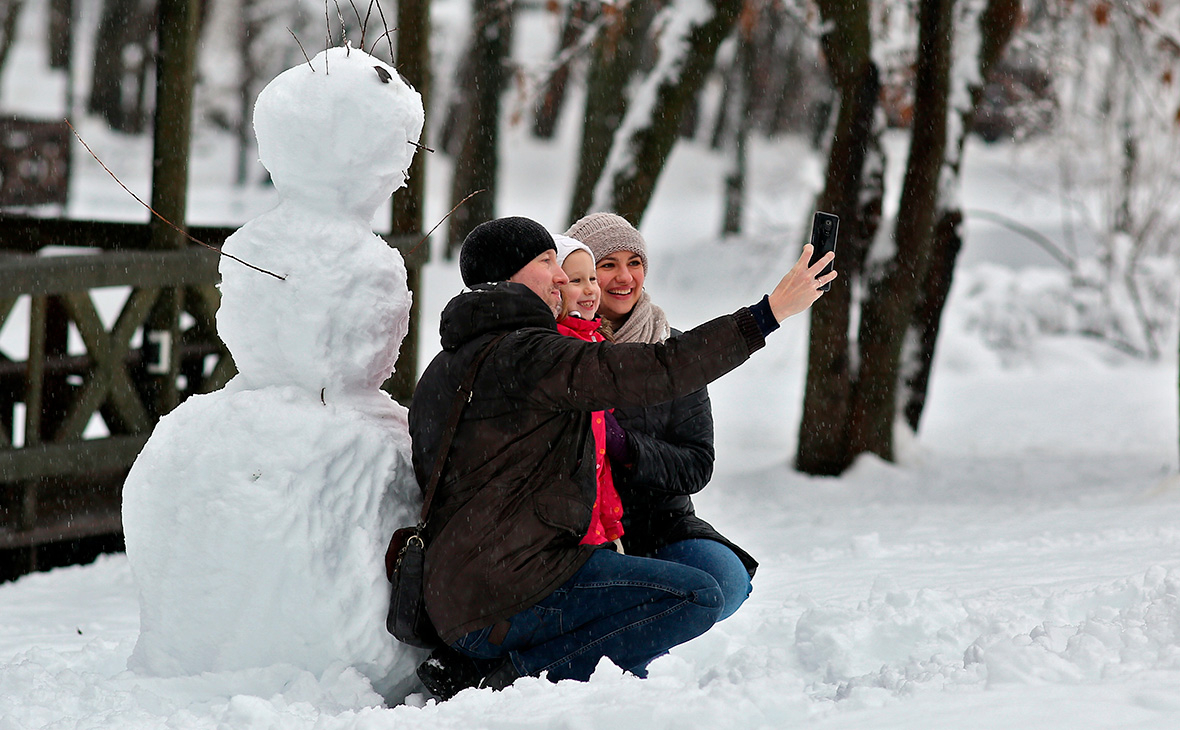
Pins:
<point x="256" y="517"/>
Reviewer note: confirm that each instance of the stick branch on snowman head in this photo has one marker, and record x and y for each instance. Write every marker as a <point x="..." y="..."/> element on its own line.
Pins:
<point x="386" y="34"/>
<point x="301" y="49"/>
<point x="186" y="234"/>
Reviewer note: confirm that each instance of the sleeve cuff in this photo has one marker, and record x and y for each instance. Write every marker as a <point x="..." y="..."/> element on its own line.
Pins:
<point x="749" y="329"/>
<point x="764" y="316"/>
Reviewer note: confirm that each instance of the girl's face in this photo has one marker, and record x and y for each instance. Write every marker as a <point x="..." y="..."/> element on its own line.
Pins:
<point x="621" y="277"/>
<point x="581" y="294"/>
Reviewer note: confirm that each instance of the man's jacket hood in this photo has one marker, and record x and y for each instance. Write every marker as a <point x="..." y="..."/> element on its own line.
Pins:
<point x="490" y="308"/>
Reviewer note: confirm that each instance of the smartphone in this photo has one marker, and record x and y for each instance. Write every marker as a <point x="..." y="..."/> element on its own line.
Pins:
<point x="824" y="228"/>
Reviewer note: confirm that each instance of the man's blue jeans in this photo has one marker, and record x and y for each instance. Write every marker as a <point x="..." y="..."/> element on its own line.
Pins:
<point x="718" y="561"/>
<point x="626" y="608"/>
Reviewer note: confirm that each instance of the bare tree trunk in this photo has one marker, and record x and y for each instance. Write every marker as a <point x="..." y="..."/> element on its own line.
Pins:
<point x="60" y="33"/>
<point x="106" y="95"/>
<point x="478" y="160"/>
<point x="413" y="60"/>
<point x="649" y="132"/>
<point x="889" y="304"/>
<point x="455" y="121"/>
<point x="249" y="28"/>
<point x="552" y="97"/>
<point x="738" y="118"/>
<point x="853" y="190"/>
<point x="918" y="353"/>
<point x="172" y="135"/>
<point x="117" y="89"/>
<point x="997" y="23"/>
<point x="615" y="61"/>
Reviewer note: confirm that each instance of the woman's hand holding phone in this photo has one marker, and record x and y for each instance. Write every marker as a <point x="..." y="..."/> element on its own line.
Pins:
<point x="812" y="274"/>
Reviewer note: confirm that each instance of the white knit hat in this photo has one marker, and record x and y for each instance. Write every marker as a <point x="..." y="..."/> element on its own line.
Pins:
<point x="567" y="245"/>
<point x="607" y="233"/>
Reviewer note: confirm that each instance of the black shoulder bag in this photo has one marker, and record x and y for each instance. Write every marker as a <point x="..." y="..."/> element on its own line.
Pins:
<point x="405" y="558"/>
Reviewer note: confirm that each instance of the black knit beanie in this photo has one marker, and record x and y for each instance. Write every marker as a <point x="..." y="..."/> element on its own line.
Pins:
<point x="499" y="248"/>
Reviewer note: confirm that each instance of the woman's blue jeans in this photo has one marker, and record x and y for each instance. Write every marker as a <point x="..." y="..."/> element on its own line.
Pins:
<point x="626" y="608"/>
<point x="718" y="561"/>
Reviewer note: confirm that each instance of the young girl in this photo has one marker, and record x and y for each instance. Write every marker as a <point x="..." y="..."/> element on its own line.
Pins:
<point x="578" y="318"/>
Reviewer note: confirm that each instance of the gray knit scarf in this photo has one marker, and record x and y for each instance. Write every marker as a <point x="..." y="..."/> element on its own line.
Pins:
<point x="646" y="323"/>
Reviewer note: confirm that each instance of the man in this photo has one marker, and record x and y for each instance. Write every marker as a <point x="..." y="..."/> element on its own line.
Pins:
<point x="508" y="586"/>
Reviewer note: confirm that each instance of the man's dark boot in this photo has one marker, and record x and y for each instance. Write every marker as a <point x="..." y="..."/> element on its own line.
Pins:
<point x="501" y="677"/>
<point x="447" y="672"/>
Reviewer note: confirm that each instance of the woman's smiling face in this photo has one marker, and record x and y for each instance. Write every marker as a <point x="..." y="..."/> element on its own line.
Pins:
<point x="620" y="276"/>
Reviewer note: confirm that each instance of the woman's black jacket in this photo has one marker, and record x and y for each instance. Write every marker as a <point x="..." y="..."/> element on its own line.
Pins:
<point x="671" y="458"/>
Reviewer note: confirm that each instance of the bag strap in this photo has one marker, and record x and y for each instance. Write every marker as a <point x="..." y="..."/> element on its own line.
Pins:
<point x="462" y="398"/>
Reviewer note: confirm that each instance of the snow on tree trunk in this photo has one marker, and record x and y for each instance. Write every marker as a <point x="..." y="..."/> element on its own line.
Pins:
<point x="983" y="34"/>
<point x="615" y="62"/>
<point x="853" y="190"/>
<point x="890" y="299"/>
<point x="736" y="120"/>
<point x="689" y="33"/>
<point x="551" y="98"/>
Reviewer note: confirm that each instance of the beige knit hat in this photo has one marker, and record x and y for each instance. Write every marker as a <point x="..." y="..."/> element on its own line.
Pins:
<point x="607" y="233"/>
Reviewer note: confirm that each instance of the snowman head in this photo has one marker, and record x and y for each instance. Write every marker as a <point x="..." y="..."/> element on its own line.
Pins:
<point x="337" y="141"/>
<point x="338" y="133"/>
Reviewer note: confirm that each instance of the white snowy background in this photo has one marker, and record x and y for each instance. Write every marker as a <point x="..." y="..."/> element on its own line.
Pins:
<point x="1018" y="567"/>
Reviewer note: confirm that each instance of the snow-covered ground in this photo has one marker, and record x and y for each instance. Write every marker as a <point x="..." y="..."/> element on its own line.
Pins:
<point x="1019" y="567"/>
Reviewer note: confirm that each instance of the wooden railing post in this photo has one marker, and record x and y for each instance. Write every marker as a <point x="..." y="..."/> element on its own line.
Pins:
<point x="35" y="383"/>
<point x="35" y="370"/>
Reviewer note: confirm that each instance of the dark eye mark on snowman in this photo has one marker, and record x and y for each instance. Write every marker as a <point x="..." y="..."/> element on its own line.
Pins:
<point x="382" y="74"/>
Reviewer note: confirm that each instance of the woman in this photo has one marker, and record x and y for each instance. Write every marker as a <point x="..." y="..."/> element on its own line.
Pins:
<point x="661" y="454"/>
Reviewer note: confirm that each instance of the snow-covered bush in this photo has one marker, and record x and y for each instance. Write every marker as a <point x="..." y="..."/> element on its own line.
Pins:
<point x="1009" y="310"/>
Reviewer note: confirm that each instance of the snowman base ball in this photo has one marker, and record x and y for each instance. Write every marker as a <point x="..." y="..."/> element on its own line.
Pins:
<point x="256" y="517"/>
<point x="275" y="556"/>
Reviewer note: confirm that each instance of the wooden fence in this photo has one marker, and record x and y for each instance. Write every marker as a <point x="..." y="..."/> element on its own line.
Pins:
<point x="62" y="480"/>
<point x="61" y="473"/>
